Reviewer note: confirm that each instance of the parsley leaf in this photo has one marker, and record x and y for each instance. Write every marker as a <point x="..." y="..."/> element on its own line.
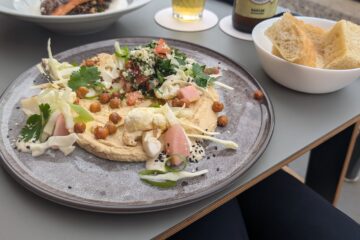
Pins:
<point x="200" y="78"/>
<point x="85" y="77"/>
<point x="165" y="67"/>
<point x="35" y="124"/>
<point x="180" y="56"/>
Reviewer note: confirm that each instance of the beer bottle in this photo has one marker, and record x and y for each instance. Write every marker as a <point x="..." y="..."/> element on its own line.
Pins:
<point x="248" y="13"/>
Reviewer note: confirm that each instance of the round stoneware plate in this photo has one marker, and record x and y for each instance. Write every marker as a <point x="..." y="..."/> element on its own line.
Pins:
<point x="84" y="181"/>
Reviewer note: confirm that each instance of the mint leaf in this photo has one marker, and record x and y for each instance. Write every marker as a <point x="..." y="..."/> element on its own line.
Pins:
<point x="85" y="77"/>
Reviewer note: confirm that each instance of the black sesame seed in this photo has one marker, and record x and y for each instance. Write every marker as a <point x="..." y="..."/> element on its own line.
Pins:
<point x="33" y="141"/>
<point x="217" y="169"/>
<point x="184" y="183"/>
<point x="215" y="147"/>
<point x="196" y="169"/>
<point x="206" y="130"/>
<point x="17" y="107"/>
<point x="15" y="147"/>
<point x="10" y="129"/>
<point x="28" y="147"/>
<point x="214" y="155"/>
<point x="193" y="146"/>
<point x="7" y="136"/>
<point x="69" y="187"/>
<point x="156" y="160"/>
<point x="208" y="157"/>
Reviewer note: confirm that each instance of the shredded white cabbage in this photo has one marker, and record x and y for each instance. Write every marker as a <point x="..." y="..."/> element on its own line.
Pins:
<point x="226" y="143"/>
<point x="173" y="176"/>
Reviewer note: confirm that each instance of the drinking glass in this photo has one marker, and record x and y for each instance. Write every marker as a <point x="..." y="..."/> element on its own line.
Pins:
<point x="188" y="10"/>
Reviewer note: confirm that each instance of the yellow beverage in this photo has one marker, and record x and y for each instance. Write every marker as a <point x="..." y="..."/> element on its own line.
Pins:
<point x="188" y="10"/>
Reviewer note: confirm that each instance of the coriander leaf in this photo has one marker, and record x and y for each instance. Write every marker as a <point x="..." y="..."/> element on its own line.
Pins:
<point x="32" y="129"/>
<point x="152" y="44"/>
<point x="85" y="77"/>
<point x="36" y="123"/>
<point x="165" y="67"/>
<point x="198" y="69"/>
<point x="200" y="78"/>
<point x="162" y="184"/>
<point x="180" y="56"/>
<point x="160" y="77"/>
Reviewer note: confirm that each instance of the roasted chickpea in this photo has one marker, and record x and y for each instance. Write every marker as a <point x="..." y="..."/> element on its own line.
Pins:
<point x="79" y="127"/>
<point x="111" y="127"/>
<point x="217" y="106"/>
<point x="77" y="101"/>
<point x="95" y="107"/>
<point x="114" y="117"/>
<point x="89" y="62"/>
<point x="101" y="132"/>
<point x="176" y="102"/>
<point x="258" y="95"/>
<point x="222" y="121"/>
<point x="115" y="103"/>
<point x="81" y="92"/>
<point x="104" y="98"/>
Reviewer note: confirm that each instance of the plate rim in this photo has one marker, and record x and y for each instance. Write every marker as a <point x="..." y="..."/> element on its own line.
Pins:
<point x="79" y="202"/>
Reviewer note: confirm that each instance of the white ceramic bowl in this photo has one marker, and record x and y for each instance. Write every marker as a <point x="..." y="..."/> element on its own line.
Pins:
<point x="295" y="76"/>
<point x="71" y="24"/>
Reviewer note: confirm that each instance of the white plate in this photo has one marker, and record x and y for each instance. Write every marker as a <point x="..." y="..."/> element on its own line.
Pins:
<point x="298" y="77"/>
<point x="27" y="10"/>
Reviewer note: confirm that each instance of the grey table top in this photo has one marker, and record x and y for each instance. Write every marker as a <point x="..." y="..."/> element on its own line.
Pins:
<point x="300" y="119"/>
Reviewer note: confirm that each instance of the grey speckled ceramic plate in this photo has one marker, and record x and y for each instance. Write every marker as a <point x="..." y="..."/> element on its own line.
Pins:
<point x="84" y="181"/>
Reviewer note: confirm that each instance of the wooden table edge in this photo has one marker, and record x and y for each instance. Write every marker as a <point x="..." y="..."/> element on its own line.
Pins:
<point x="204" y="211"/>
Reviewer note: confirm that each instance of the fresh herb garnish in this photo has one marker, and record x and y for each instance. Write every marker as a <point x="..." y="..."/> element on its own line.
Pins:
<point x="122" y="52"/>
<point x="170" y="168"/>
<point x="200" y="78"/>
<point x="162" y="184"/>
<point x="180" y="56"/>
<point x="152" y="44"/>
<point x="165" y="67"/>
<point x="35" y="124"/>
<point x="83" y="114"/>
<point x="85" y="77"/>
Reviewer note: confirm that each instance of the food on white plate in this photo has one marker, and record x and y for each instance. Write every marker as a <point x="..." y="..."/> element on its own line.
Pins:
<point x="148" y="104"/>
<point x="305" y="44"/>
<point x="75" y="7"/>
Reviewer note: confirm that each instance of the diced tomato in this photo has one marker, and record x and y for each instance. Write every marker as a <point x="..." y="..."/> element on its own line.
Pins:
<point x="133" y="97"/>
<point x="139" y="79"/>
<point x="128" y="64"/>
<point x="213" y="70"/>
<point x="176" y="144"/>
<point x="188" y="94"/>
<point x="162" y="48"/>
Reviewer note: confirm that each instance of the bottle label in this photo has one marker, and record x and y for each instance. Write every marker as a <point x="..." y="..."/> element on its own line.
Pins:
<point x="256" y="8"/>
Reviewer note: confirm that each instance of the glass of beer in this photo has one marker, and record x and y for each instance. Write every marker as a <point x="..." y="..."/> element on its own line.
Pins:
<point x="188" y="10"/>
